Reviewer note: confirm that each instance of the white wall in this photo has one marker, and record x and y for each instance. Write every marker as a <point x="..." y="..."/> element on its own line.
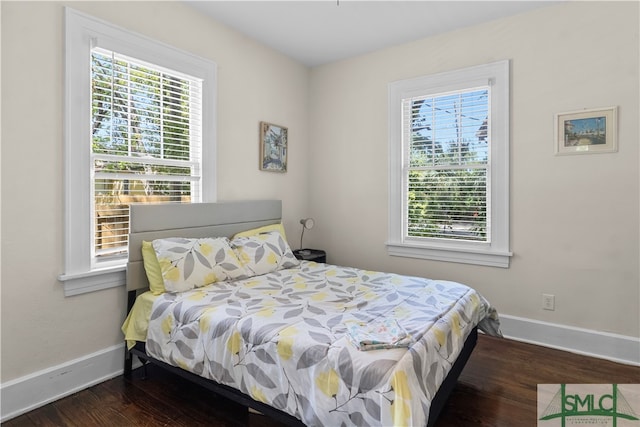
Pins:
<point x="574" y="219"/>
<point x="40" y="327"/>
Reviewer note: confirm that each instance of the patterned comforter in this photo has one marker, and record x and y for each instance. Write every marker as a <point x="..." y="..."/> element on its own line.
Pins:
<point x="282" y="339"/>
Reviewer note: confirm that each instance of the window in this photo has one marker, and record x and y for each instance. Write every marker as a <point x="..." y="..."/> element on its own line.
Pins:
<point x="145" y="144"/>
<point x="449" y="153"/>
<point x="134" y="132"/>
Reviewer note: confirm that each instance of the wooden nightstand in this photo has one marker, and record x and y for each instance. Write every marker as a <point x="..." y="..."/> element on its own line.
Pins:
<point x="316" y="255"/>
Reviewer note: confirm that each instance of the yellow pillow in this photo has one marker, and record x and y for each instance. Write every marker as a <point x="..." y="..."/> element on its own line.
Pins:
<point x="263" y="229"/>
<point x="152" y="268"/>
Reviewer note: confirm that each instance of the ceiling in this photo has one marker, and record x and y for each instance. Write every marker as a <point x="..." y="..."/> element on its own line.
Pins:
<point x="324" y="31"/>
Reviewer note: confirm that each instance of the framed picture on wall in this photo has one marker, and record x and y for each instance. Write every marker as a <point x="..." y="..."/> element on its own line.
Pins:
<point x="587" y="131"/>
<point x="273" y="147"/>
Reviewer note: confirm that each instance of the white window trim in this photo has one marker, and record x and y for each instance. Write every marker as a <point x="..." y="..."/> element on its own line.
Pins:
<point x="82" y="32"/>
<point x="496" y="253"/>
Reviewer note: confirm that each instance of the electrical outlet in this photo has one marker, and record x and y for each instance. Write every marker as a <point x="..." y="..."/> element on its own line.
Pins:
<point x="548" y="302"/>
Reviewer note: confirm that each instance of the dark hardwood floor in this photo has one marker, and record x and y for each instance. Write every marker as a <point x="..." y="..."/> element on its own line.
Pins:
<point x="498" y="387"/>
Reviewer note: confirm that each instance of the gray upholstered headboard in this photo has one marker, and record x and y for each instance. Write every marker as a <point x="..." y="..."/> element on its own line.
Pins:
<point x="157" y="221"/>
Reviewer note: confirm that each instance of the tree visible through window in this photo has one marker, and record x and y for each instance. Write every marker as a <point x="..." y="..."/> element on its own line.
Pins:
<point x="146" y="142"/>
<point x="447" y="165"/>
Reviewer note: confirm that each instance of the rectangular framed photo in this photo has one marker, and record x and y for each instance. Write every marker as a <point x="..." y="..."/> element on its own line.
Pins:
<point x="587" y="131"/>
<point x="273" y="147"/>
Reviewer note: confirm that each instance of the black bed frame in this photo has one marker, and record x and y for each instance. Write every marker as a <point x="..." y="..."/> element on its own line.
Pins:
<point x="224" y="219"/>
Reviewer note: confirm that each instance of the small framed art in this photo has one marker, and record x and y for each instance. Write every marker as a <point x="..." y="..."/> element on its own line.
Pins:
<point x="273" y="147"/>
<point x="587" y="131"/>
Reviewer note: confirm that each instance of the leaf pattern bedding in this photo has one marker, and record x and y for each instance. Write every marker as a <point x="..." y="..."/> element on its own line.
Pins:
<point x="282" y="338"/>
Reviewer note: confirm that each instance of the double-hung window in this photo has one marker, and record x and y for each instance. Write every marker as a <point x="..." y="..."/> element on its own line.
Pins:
<point x="449" y="171"/>
<point x="135" y="132"/>
<point x="145" y="143"/>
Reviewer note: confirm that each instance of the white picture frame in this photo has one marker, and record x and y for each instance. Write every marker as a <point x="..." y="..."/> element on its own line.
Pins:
<point x="587" y="131"/>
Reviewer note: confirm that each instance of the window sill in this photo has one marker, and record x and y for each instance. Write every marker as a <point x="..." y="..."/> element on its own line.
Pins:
<point x="91" y="281"/>
<point x="451" y="254"/>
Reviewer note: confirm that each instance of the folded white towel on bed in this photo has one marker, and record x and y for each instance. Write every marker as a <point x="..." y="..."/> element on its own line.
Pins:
<point x="379" y="334"/>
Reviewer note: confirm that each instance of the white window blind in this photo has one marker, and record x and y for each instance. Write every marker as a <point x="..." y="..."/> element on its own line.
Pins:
<point x="449" y="166"/>
<point x="146" y="143"/>
<point x="447" y="158"/>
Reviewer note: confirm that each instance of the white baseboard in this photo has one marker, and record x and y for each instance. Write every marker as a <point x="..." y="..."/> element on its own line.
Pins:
<point x="603" y="345"/>
<point x="34" y="390"/>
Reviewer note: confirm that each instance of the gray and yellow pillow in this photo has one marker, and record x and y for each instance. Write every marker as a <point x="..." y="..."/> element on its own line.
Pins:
<point x="180" y="264"/>
<point x="190" y="263"/>
<point x="264" y="252"/>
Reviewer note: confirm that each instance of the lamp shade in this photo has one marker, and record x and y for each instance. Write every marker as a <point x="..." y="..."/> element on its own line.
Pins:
<point x="307" y="223"/>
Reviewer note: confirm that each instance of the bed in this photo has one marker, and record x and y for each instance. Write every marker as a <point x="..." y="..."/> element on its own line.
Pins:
<point x="302" y="342"/>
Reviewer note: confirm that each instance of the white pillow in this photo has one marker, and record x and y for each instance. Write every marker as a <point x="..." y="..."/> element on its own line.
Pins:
<point x="189" y="263"/>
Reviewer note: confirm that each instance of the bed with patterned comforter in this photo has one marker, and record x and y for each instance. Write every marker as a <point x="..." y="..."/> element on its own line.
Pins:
<point x="286" y="338"/>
